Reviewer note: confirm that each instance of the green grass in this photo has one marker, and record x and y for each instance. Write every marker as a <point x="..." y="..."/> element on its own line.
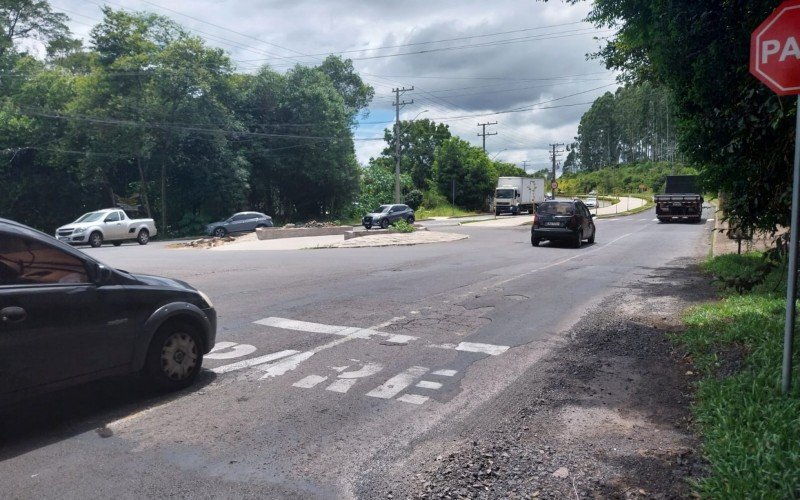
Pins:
<point x="750" y="431"/>
<point x="441" y="211"/>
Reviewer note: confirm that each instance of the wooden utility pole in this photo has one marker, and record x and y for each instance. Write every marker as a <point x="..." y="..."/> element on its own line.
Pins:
<point x="397" y="105"/>
<point x="554" y="155"/>
<point x="484" y="134"/>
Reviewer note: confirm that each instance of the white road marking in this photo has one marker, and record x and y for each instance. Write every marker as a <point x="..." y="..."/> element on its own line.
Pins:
<point x="427" y="384"/>
<point x="398" y="383"/>
<point x="236" y="350"/>
<point x="490" y="349"/>
<point x="642" y="219"/>
<point x="247" y="363"/>
<point x="655" y="220"/>
<point x="345" y="331"/>
<point x="709" y="220"/>
<point x="342" y="385"/>
<point x="310" y="381"/>
<point x="279" y="368"/>
<point x="414" y="399"/>
<point x="445" y="373"/>
<point x="368" y="370"/>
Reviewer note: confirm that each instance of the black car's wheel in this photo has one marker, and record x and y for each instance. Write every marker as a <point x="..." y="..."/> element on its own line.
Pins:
<point x="410" y="219"/>
<point x="535" y="241"/>
<point x="594" y="232"/>
<point x="368" y="226"/>
<point x="384" y="223"/>
<point x="578" y="239"/>
<point x="95" y="239"/>
<point x="174" y="357"/>
<point x="116" y="243"/>
<point x="143" y="237"/>
<point x="220" y="232"/>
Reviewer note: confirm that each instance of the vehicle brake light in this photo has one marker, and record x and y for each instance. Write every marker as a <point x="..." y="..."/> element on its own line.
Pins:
<point x="573" y="221"/>
<point x="535" y="220"/>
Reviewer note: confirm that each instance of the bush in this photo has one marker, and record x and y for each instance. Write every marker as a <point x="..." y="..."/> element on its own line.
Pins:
<point x="414" y="198"/>
<point x="402" y="226"/>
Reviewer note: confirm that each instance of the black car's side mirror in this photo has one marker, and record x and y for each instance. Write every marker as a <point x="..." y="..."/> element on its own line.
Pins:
<point x="101" y="274"/>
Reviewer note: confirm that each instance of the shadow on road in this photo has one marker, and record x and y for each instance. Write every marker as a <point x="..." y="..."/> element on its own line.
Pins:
<point x="45" y="419"/>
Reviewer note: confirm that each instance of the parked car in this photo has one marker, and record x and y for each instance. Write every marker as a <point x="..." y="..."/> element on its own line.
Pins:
<point x="108" y="225"/>
<point x="563" y="220"/>
<point x="66" y="318"/>
<point x="590" y="202"/>
<point x="388" y="214"/>
<point x="239" y="223"/>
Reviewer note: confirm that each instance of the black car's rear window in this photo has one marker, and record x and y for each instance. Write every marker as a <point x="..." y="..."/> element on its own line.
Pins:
<point x="556" y="208"/>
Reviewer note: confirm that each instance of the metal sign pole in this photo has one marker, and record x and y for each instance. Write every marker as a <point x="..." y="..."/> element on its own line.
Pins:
<point x="791" y="284"/>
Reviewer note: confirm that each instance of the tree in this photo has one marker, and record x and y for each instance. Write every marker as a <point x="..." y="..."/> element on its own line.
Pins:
<point x="737" y="130"/>
<point x="32" y="20"/>
<point x="418" y="142"/>
<point x="468" y="169"/>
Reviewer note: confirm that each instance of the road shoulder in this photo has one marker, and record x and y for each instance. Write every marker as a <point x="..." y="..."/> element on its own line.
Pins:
<point x="606" y="415"/>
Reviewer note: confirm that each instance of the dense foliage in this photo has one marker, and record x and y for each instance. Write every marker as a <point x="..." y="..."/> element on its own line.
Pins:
<point x="148" y="115"/>
<point x="633" y="124"/>
<point x="644" y="177"/>
<point x="736" y="129"/>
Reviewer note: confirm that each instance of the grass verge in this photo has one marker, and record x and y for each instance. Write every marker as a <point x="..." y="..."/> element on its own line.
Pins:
<point x="426" y="213"/>
<point x="750" y="431"/>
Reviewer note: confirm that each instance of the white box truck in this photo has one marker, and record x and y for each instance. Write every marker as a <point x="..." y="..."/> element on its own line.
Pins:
<point x="517" y="194"/>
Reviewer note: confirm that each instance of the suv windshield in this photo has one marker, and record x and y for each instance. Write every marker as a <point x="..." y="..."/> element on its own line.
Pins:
<point x="90" y="217"/>
<point x="381" y="209"/>
<point x="557" y="208"/>
<point x="504" y="193"/>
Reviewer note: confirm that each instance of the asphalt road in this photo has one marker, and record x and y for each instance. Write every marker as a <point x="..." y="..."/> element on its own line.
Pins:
<point x="333" y="364"/>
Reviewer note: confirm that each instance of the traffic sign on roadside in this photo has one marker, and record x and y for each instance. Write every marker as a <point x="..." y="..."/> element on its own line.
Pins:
<point x="775" y="49"/>
<point x="554" y="185"/>
<point x="775" y="60"/>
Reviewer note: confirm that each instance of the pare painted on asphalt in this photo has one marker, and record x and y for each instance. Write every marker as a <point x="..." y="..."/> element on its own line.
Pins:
<point x="340" y="379"/>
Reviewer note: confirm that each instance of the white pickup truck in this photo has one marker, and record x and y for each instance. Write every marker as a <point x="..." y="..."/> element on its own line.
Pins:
<point x="109" y="225"/>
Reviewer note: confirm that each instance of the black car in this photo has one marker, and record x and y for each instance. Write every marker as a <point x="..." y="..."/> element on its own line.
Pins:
<point x="388" y="214"/>
<point x="563" y="220"/>
<point x="239" y="222"/>
<point x="66" y="318"/>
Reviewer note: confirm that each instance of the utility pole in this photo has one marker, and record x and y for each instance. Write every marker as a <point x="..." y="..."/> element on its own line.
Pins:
<point x="525" y="166"/>
<point x="484" y="134"/>
<point x="554" y="155"/>
<point x="397" y="105"/>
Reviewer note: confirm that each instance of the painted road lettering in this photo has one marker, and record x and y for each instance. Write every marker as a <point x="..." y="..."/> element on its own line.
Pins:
<point x="230" y="350"/>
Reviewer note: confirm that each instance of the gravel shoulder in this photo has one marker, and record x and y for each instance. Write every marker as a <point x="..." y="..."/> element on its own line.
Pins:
<point x="606" y="415"/>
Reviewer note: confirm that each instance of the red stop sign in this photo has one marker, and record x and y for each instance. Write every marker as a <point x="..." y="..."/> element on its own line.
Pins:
<point x="775" y="49"/>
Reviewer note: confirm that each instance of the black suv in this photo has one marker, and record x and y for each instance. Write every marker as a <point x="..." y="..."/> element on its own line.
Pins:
<point x="563" y="220"/>
<point x="65" y="319"/>
<point x="388" y="214"/>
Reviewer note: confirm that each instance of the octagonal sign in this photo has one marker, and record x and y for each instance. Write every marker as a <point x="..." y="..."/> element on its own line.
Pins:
<point x="775" y="49"/>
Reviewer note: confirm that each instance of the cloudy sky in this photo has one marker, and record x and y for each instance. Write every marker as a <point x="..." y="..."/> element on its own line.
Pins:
<point x="519" y="63"/>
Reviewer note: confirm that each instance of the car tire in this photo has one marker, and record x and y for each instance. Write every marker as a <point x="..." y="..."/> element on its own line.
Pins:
<point x="578" y="239"/>
<point x="95" y="239"/>
<point x="116" y="243"/>
<point x="594" y="232"/>
<point x="535" y="241"/>
<point x="174" y="357"/>
<point x="219" y="232"/>
<point x="496" y="213"/>
<point x="410" y="219"/>
<point x="143" y="237"/>
<point x="367" y="226"/>
<point x="384" y="223"/>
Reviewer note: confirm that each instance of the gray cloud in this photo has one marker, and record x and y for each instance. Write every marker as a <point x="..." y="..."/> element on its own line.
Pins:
<point x="463" y="79"/>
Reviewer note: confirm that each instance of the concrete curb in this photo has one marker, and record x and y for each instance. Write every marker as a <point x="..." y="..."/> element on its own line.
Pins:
<point x="299" y="232"/>
<point x="355" y="233"/>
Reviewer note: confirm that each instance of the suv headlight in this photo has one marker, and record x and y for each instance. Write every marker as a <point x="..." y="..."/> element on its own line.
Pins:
<point x="206" y="298"/>
<point x="79" y="230"/>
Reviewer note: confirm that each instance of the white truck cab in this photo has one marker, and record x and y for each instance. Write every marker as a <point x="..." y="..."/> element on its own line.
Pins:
<point x="108" y="225"/>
